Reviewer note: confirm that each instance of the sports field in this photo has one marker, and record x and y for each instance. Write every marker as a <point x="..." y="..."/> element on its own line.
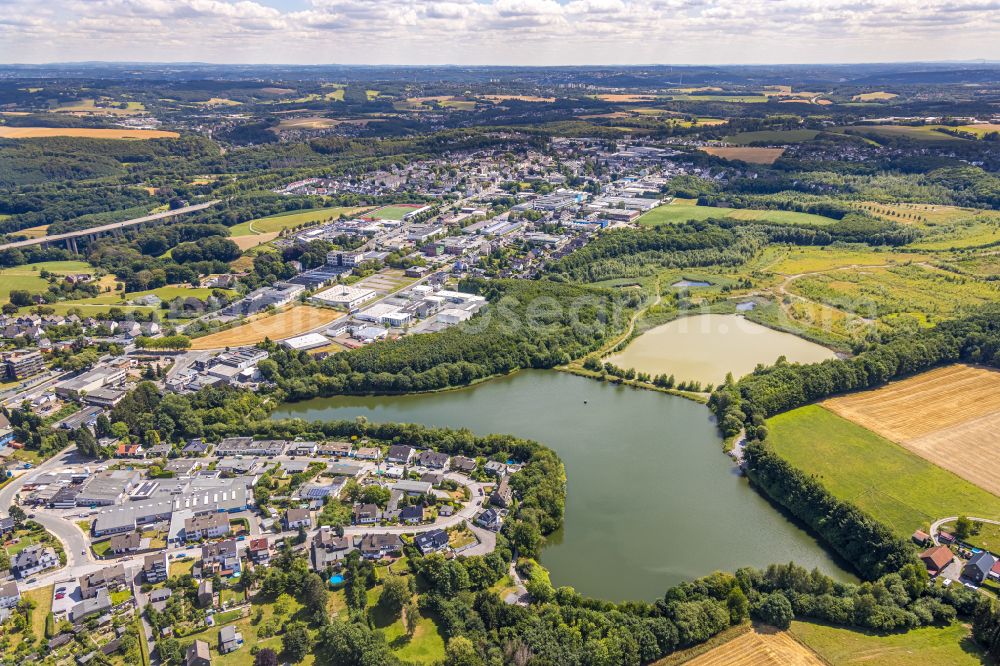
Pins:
<point x="745" y="153"/>
<point x="942" y="646"/>
<point x="683" y="210"/>
<point x="394" y="212"/>
<point x="289" y="323"/>
<point x="84" y="132"/>
<point x="282" y="221"/>
<point x="894" y="485"/>
<point x="759" y="647"/>
<point x="949" y="416"/>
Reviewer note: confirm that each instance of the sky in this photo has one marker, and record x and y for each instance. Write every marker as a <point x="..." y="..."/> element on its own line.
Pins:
<point x="499" y="32"/>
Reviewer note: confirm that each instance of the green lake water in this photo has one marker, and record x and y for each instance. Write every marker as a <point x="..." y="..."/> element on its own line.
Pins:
<point x="652" y="500"/>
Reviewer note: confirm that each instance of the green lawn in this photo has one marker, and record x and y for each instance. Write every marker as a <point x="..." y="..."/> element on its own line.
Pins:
<point x="291" y="219"/>
<point x="895" y="486"/>
<point x="394" y="212"/>
<point x="987" y="536"/>
<point x="42" y="597"/>
<point x="181" y="567"/>
<point x="26" y="277"/>
<point x="684" y="211"/>
<point x="942" y="646"/>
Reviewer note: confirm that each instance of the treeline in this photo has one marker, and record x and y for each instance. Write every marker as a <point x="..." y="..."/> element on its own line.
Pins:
<point x="868" y="545"/>
<point x="527" y="324"/>
<point x="773" y="389"/>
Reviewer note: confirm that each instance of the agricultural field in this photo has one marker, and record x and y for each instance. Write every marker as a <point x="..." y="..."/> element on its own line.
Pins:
<point x="734" y="99"/>
<point x="219" y="101"/>
<point x="772" y="137"/>
<point x="980" y="130"/>
<point x="288" y="323"/>
<point x="880" y="96"/>
<point x="310" y="123"/>
<point x="857" y="465"/>
<point x="948" y="416"/>
<point x="684" y="210"/>
<point x="917" y="292"/>
<point x="915" y="132"/>
<point x="942" y="646"/>
<point x="626" y="98"/>
<point x="759" y="647"/>
<point x="745" y="154"/>
<point x="26" y="277"/>
<point x="282" y="221"/>
<point x="89" y="106"/>
<point x="496" y="99"/>
<point x="85" y="132"/>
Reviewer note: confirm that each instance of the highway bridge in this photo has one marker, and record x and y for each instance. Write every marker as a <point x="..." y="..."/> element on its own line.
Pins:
<point x="70" y="237"/>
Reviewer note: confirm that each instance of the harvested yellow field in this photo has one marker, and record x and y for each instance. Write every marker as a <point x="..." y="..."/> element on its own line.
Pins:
<point x="247" y="242"/>
<point x="289" y="323"/>
<point x="85" y="132"/>
<point x="760" y="648"/>
<point x="496" y="99"/>
<point x="880" y="96"/>
<point x="745" y="153"/>
<point x="627" y="99"/>
<point x="35" y="232"/>
<point x="948" y="416"/>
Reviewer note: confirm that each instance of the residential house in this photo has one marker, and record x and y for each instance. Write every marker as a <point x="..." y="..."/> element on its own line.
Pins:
<point x="433" y="478"/>
<point x="433" y="459"/>
<point x="221" y="557"/>
<point x="259" y="551"/>
<point x="978" y="567"/>
<point x="365" y="514"/>
<point x="158" y="598"/>
<point x="198" y="654"/>
<point x="337" y="449"/>
<point x="230" y="640"/>
<point x="130" y="542"/>
<point x="295" y="518"/>
<point x="154" y="568"/>
<point x="920" y="538"/>
<point x="494" y="468"/>
<point x="431" y="542"/>
<point x="99" y="603"/>
<point x="502" y="495"/>
<point x="303" y="449"/>
<point x="328" y="548"/>
<point x="411" y="515"/>
<point x="209" y="526"/>
<point x="936" y="559"/>
<point x="368" y="453"/>
<point x="206" y="596"/>
<point x="377" y="546"/>
<point x="195" y="447"/>
<point x="7" y="526"/>
<point x="33" y="559"/>
<point x="9" y="596"/>
<point x="490" y="519"/>
<point x="401" y="454"/>
<point x="109" y="578"/>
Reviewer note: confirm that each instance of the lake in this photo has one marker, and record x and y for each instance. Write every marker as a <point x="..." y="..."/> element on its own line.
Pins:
<point x="652" y="500"/>
<point x="705" y="347"/>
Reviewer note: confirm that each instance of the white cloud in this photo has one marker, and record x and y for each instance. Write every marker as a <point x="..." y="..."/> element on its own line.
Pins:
<point x="500" y="31"/>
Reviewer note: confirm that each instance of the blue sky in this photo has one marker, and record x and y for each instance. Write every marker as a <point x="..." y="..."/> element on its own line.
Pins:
<point x="529" y="32"/>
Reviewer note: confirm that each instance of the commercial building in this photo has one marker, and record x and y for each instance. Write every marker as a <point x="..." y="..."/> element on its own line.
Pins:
<point x="92" y="380"/>
<point x="307" y="341"/>
<point x="344" y="296"/>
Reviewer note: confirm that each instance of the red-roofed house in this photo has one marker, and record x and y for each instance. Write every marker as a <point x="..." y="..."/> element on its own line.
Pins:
<point x="936" y="559"/>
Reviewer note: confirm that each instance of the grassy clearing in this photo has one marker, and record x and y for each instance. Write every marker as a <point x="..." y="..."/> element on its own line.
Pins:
<point x="918" y="292"/>
<point x="27" y="276"/>
<point x="682" y="210"/>
<point x="914" y="133"/>
<point x="112" y="108"/>
<point x="276" y="223"/>
<point x="812" y="259"/>
<point x="42" y="598"/>
<point x="895" y="486"/>
<point x="980" y="130"/>
<point x="942" y="646"/>
<point x="879" y="96"/>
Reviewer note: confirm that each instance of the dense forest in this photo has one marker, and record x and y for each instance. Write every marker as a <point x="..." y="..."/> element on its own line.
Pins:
<point x="527" y="324"/>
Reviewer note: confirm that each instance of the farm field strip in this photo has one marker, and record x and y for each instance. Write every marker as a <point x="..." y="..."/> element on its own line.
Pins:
<point x="745" y="153"/>
<point x="759" y="648"/>
<point x="85" y="132"/>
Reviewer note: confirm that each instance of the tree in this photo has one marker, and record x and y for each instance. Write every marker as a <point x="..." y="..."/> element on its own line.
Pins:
<point x="738" y="605"/>
<point x="963" y="527"/>
<point x="265" y="657"/>
<point x="395" y="595"/>
<point x="314" y="594"/>
<point x="295" y="641"/>
<point x="776" y="611"/>
<point x="461" y="652"/>
<point x="18" y="515"/>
